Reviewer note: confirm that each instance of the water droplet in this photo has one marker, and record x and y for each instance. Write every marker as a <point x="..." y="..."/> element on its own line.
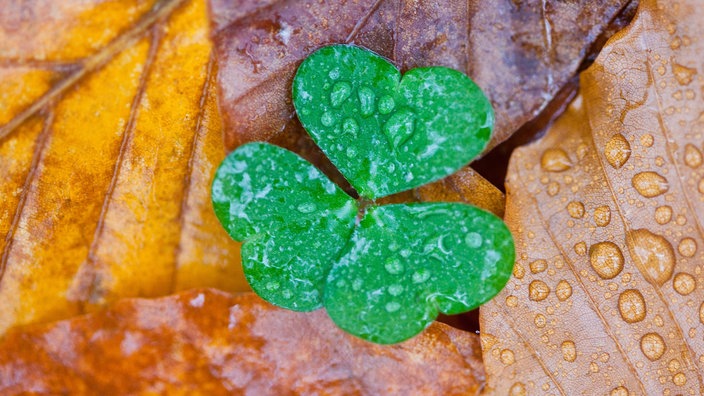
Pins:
<point x="392" y="306"/>
<point x="700" y="186"/>
<point x="357" y="284"/>
<point x="538" y="266"/>
<point x="518" y="389"/>
<point x="555" y="160"/>
<point x="617" y="151"/>
<point x="287" y="294"/>
<point x="399" y="127"/>
<point x="511" y="301"/>
<point x="538" y="290"/>
<point x="395" y="290"/>
<point x="563" y="290"/>
<point x="569" y="351"/>
<point x="553" y="189"/>
<point x="341" y="91"/>
<point x="306" y="207"/>
<point x="684" y="283"/>
<point x="631" y="306"/>
<point x="663" y="214"/>
<point x="619" y="391"/>
<point x="650" y="184"/>
<point x="394" y="266"/>
<point x="386" y="104"/>
<point x="647" y="140"/>
<point x="692" y="156"/>
<point x="575" y="209"/>
<point x="540" y="321"/>
<point x="272" y="285"/>
<point x="518" y="271"/>
<point x="507" y="357"/>
<point x="327" y="119"/>
<point x="420" y="275"/>
<point x="679" y="379"/>
<point x="683" y="74"/>
<point x="334" y="74"/>
<point x="687" y="247"/>
<point x="405" y="253"/>
<point x="473" y="240"/>
<point x="350" y="127"/>
<point x="580" y="248"/>
<point x="366" y="101"/>
<point x="305" y="111"/>
<point x="351" y="152"/>
<point x="602" y="216"/>
<point x="673" y="366"/>
<point x="701" y="313"/>
<point x="652" y="254"/>
<point x="653" y="346"/>
<point x="606" y="259"/>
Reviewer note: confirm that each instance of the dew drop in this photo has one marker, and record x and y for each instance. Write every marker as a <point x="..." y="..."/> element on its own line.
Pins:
<point x="341" y="91"/>
<point x="386" y="104"/>
<point x="271" y="286"/>
<point x="327" y="119"/>
<point x="399" y="127"/>
<point x="518" y="271"/>
<point x="602" y="216"/>
<point x="683" y="74"/>
<point x="350" y="127"/>
<point x="507" y="357"/>
<point x="394" y="266"/>
<point x="540" y="321"/>
<point x="650" y="184"/>
<point x="684" y="283"/>
<point x="473" y="240"/>
<point x="334" y="74"/>
<point x="287" y="294"/>
<point x="555" y="160"/>
<point x="366" y="101"/>
<point x="575" y="209"/>
<point x="538" y="266"/>
<point x="631" y="306"/>
<point x="606" y="259"/>
<point x="518" y="389"/>
<point x="692" y="156"/>
<point x="701" y="313"/>
<point x="619" y="391"/>
<point x="580" y="248"/>
<point x="395" y="290"/>
<point x="663" y="214"/>
<point x="420" y="275"/>
<point x="553" y="189"/>
<point x="653" y="346"/>
<point x="679" y="379"/>
<point x="351" y="152"/>
<point x="511" y="301"/>
<point x="647" y="140"/>
<point x="700" y="186"/>
<point x="563" y="290"/>
<point x="538" y="290"/>
<point x="392" y="306"/>
<point x="652" y="254"/>
<point x="687" y="247"/>
<point x="307" y="207"/>
<point x="357" y="284"/>
<point x="617" y="151"/>
<point x="569" y="351"/>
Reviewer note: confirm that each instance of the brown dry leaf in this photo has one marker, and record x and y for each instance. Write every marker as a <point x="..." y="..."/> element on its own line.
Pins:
<point x="210" y="342"/>
<point x="109" y="136"/>
<point x="520" y="53"/>
<point x="607" y="211"/>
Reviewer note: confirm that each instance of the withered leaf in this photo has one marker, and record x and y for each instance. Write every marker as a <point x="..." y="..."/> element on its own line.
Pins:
<point x="607" y="211"/>
<point x="209" y="342"/>
<point x="520" y="53"/>
<point x="109" y="136"/>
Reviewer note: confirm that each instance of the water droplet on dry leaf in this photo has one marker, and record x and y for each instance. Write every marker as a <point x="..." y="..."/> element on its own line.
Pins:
<point x="563" y="290"/>
<point x="617" y="151"/>
<point x="580" y="248"/>
<point x="683" y="74"/>
<point x="507" y="357"/>
<point x="569" y="351"/>
<point x="692" y="156"/>
<point x="652" y="254"/>
<point x="511" y="301"/>
<point x="555" y="160"/>
<point x="679" y="379"/>
<point x="619" y="391"/>
<point x="653" y="346"/>
<point x="602" y="216"/>
<point x="650" y="184"/>
<point x="606" y="259"/>
<point x="538" y="290"/>
<point x="575" y="209"/>
<point x="631" y="306"/>
<point x="518" y="389"/>
<point x="663" y="214"/>
<point x="538" y="266"/>
<point x="687" y="247"/>
<point x="684" y="283"/>
<point x="540" y="321"/>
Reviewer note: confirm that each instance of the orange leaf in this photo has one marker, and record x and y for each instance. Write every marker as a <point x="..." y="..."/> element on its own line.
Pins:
<point x="210" y="342"/>
<point x="607" y="211"/>
<point x="110" y="138"/>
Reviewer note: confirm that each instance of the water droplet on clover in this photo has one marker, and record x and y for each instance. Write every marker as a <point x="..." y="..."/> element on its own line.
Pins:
<point x="650" y="184"/>
<point x="307" y="207"/>
<point x="395" y="290"/>
<point x="327" y="119"/>
<point x="386" y="104"/>
<point x="617" y="151"/>
<point x="420" y="275"/>
<point x="399" y="127"/>
<point x="350" y="127"/>
<point x="473" y="240"/>
<point x="366" y="101"/>
<point x="287" y="294"/>
<point x="606" y="259"/>
<point x="394" y="266"/>
<point x="351" y="152"/>
<point x="272" y="285"/>
<point x="339" y="94"/>
<point x="392" y="306"/>
<point x="357" y="284"/>
<point x="334" y="74"/>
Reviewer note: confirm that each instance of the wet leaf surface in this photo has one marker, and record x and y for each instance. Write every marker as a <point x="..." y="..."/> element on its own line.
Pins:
<point x="607" y="211"/>
<point x="205" y="341"/>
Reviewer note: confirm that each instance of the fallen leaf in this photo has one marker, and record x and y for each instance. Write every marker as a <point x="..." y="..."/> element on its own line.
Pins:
<point x="520" y="53"/>
<point x="607" y="211"/>
<point x="210" y="342"/>
<point x="109" y="137"/>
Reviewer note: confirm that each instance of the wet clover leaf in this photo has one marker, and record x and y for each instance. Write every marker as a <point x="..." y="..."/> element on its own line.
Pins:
<point x="433" y="121"/>
<point x="386" y="276"/>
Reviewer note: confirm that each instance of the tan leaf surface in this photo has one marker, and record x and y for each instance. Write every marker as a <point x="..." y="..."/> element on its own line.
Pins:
<point x="520" y="53"/>
<point x="607" y="211"/>
<point x="109" y="135"/>
<point x="212" y="343"/>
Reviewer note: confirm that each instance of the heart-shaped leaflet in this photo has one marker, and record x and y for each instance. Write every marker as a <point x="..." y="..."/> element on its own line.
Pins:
<point x="385" y="133"/>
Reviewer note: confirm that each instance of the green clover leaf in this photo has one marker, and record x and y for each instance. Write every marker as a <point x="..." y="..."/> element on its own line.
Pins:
<point x="383" y="273"/>
<point x="433" y="121"/>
